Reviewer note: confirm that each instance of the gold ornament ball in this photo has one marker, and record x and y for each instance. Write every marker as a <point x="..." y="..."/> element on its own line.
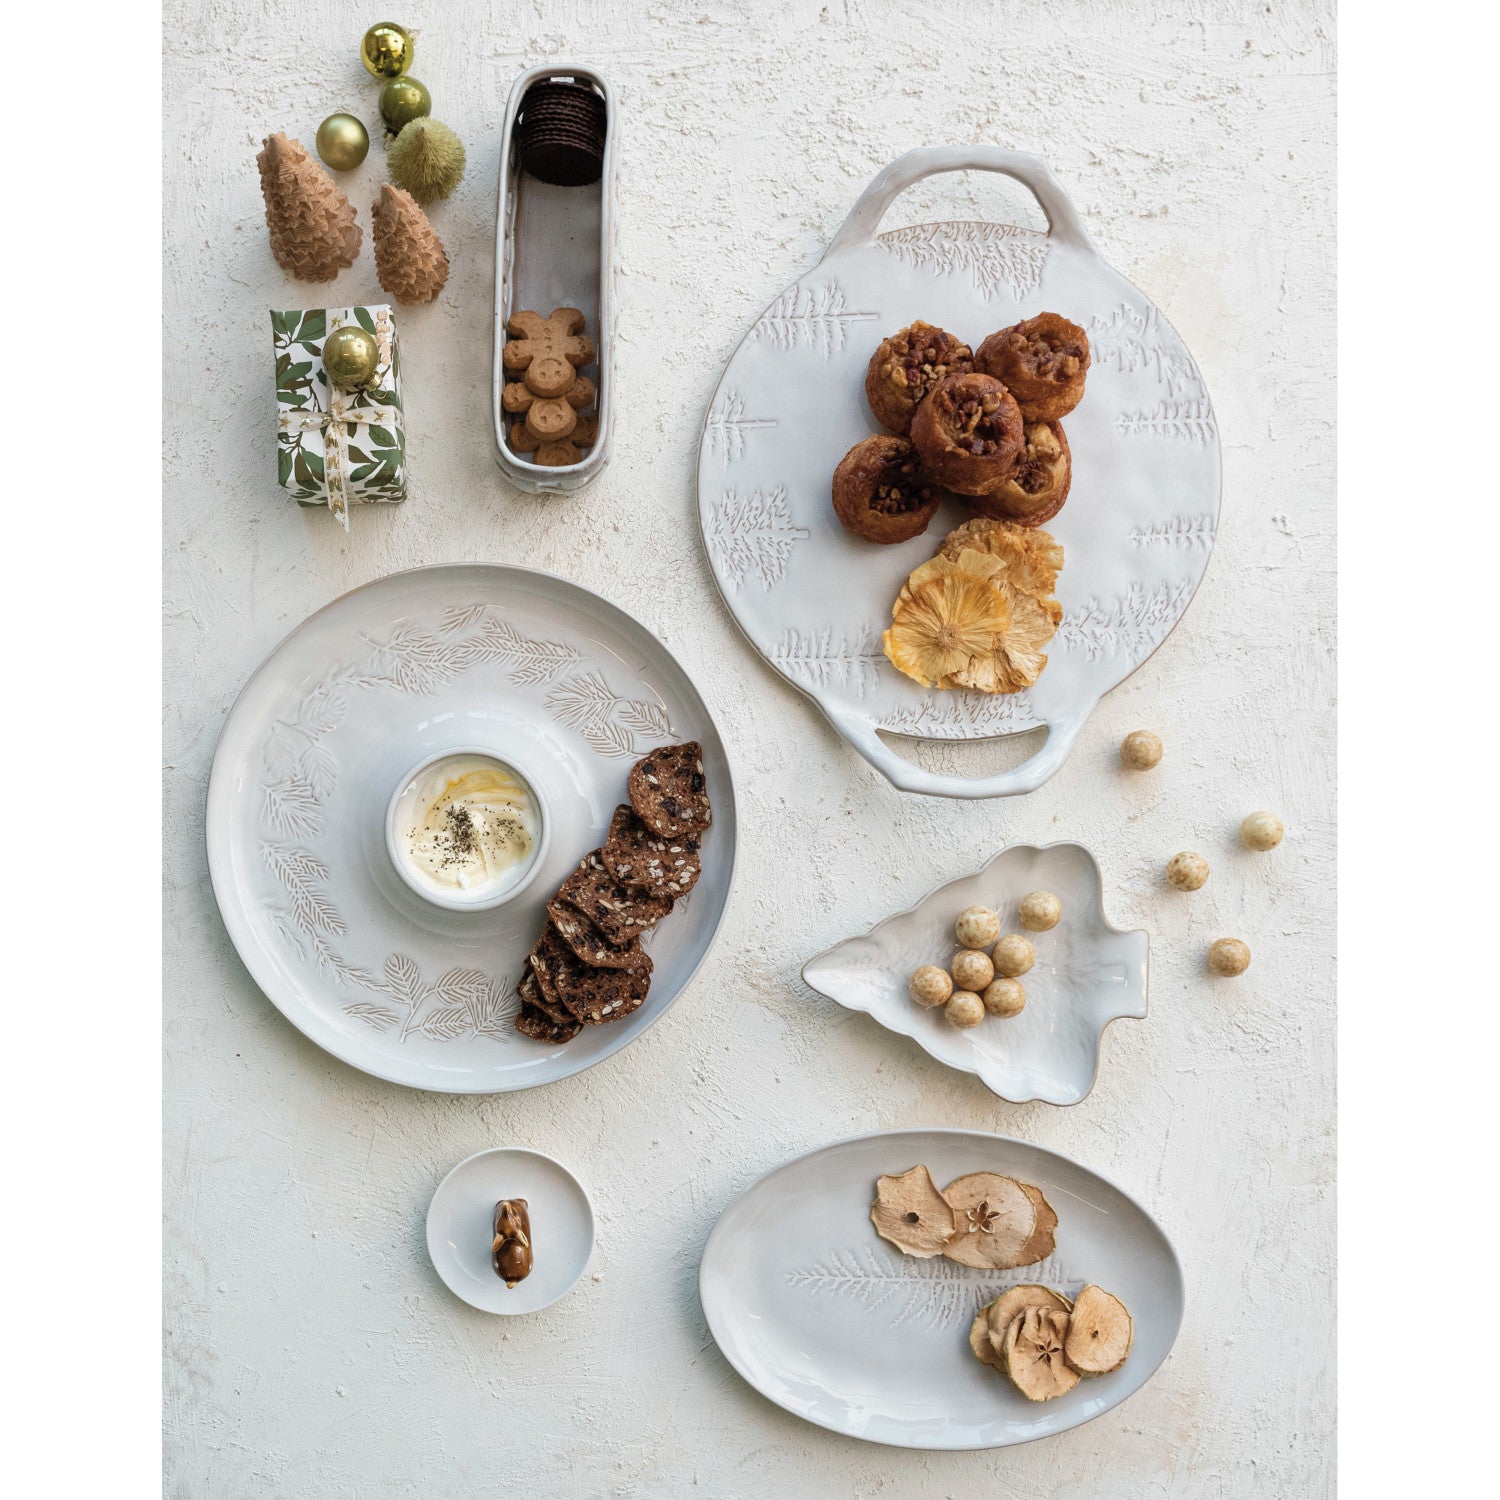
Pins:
<point x="1229" y="956"/>
<point x="1140" y="750"/>
<point x="343" y="142"/>
<point x="350" y="356"/>
<point x="386" y="50"/>
<point x="1261" y="831"/>
<point x="403" y="100"/>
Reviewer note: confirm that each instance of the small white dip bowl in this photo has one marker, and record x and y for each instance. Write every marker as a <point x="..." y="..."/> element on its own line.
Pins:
<point x="480" y="897"/>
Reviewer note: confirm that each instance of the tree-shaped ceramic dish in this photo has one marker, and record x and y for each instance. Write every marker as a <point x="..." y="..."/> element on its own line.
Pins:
<point x="1137" y="528"/>
<point x="1087" y="974"/>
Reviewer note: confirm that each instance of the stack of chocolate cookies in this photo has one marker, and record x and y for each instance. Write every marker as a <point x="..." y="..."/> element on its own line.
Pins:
<point x="588" y="966"/>
<point x="560" y="132"/>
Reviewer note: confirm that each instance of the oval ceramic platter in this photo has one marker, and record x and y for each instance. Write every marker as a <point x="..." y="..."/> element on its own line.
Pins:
<point x="827" y="1319"/>
<point x="1136" y="531"/>
<point x="1087" y="973"/>
<point x="532" y="669"/>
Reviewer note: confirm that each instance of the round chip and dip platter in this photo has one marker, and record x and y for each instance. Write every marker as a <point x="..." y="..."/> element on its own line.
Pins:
<point x="1137" y="528"/>
<point x="527" y="668"/>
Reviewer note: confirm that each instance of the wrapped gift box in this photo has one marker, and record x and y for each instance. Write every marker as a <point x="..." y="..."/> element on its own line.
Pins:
<point x="333" y="447"/>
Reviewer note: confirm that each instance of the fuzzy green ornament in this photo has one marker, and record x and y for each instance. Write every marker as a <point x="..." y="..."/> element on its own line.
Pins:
<point x="427" y="160"/>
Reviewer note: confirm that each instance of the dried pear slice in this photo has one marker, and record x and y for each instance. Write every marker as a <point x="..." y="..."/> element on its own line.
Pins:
<point x="1009" y="1306"/>
<point x="1033" y="1353"/>
<point x="911" y="1213"/>
<point x="1043" y="1239"/>
<point x="980" y="1342"/>
<point x="992" y="1219"/>
<point x="1100" y="1333"/>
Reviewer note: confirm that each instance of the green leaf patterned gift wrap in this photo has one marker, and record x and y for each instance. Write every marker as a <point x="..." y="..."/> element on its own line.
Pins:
<point x="333" y="447"/>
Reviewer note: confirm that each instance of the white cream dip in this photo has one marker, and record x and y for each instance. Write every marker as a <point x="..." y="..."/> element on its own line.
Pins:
<point x="464" y="826"/>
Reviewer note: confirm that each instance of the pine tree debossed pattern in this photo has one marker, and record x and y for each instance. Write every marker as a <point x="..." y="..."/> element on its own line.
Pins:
<point x="313" y="230"/>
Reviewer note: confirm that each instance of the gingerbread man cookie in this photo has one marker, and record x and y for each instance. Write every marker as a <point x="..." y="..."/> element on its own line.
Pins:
<point x="546" y="353"/>
<point x="557" y="454"/>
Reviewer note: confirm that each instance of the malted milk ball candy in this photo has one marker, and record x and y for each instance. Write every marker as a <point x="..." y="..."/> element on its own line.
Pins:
<point x="971" y="970"/>
<point x="1140" y="750"/>
<point x="1261" y="831"/>
<point x="964" y="1010"/>
<point x="1013" y="955"/>
<point x="930" y="986"/>
<point x="977" y="927"/>
<point x="1041" y="911"/>
<point x="1229" y="956"/>
<point x="1005" y="997"/>
<point x="1187" y="871"/>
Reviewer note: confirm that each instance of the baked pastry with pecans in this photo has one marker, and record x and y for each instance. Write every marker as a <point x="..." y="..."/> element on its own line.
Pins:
<point x="906" y="366"/>
<point x="968" y="433"/>
<point x="1036" y="488"/>
<point x="880" y="492"/>
<point x="1042" y="362"/>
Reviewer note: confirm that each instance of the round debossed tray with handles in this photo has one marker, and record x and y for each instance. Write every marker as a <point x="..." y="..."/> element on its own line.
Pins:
<point x="1137" y="528"/>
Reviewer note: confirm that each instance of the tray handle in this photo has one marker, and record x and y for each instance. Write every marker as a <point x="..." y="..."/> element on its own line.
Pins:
<point x="1026" y="777"/>
<point x="1063" y="223"/>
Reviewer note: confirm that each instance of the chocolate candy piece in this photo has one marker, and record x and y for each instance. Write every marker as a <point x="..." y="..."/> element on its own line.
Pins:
<point x="510" y="1252"/>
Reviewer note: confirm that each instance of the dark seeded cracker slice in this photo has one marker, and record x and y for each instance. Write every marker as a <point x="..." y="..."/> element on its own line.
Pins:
<point x="531" y="993"/>
<point x="647" y="862"/>
<point x="535" y="1018"/>
<point x="618" y="912"/>
<point x="668" y="790"/>
<point x="588" y="943"/>
<point x="590" y="995"/>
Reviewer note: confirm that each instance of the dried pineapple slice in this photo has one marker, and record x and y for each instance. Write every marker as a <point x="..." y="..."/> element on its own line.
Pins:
<point x="1031" y="558"/>
<point x="943" y="620"/>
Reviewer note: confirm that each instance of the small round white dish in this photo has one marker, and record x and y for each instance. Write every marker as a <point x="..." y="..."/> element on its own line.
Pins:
<point x="460" y="1224"/>
<point x="405" y="803"/>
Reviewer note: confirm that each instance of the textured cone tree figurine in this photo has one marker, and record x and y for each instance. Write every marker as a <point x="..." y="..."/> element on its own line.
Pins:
<point x="427" y="159"/>
<point x="409" y="257"/>
<point x="313" y="231"/>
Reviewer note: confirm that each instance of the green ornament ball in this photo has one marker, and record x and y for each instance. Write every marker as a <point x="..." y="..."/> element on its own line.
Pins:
<point x="427" y="159"/>
<point x="386" y="50"/>
<point x="343" y="142"/>
<point x="403" y="100"/>
<point x="350" y="356"/>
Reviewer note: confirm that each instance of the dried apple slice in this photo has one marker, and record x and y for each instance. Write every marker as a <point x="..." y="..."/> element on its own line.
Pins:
<point x="993" y="1219"/>
<point x="1033" y="1353"/>
<point x="911" y="1213"/>
<point x="1043" y="1239"/>
<point x="1100" y="1333"/>
<point x="980" y="1342"/>
<point x="1009" y="1306"/>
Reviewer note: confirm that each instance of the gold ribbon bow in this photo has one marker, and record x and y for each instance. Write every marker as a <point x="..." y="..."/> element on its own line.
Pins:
<point x="344" y="409"/>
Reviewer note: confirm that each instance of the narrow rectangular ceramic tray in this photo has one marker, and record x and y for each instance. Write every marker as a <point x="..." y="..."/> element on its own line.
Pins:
<point x="553" y="248"/>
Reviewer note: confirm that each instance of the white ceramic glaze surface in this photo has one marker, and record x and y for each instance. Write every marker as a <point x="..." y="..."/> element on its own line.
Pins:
<point x="1087" y="974"/>
<point x="521" y="665"/>
<point x="827" y="1319"/>
<point x="1137" y="528"/>
<point x="460" y="1221"/>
